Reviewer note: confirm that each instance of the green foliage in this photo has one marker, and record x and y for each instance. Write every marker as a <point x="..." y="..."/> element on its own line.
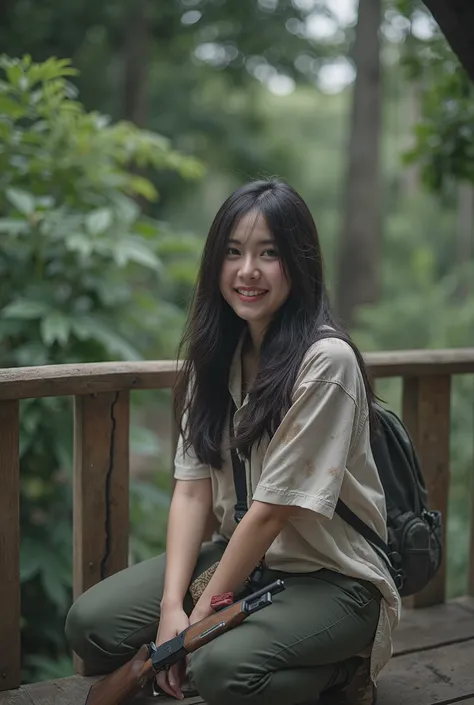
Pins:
<point x="444" y="135"/>
<point x="81" y="279"/>
<point x="444" y="146"/>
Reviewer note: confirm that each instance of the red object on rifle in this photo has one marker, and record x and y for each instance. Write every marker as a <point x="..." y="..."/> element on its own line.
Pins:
<point x="218" y="602"/>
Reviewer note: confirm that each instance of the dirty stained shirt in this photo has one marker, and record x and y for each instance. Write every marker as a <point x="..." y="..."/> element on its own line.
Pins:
<point x="319" y="453"/>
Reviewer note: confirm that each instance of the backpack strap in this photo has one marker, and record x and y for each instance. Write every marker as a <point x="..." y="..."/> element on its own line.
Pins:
<point x="382" y="549"/>
<point x="238" y="469"/>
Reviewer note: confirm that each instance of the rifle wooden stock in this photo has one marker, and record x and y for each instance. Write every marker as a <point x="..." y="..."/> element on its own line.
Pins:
<point x="123" y="683"/>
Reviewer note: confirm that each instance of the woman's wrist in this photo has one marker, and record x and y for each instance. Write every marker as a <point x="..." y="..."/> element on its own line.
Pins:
<point x="200" y="611"/>
<point x="169" y="603"/>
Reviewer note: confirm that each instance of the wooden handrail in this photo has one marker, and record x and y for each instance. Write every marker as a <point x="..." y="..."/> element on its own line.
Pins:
<point x="98" y="377"/>
<point x="101" y="461"/>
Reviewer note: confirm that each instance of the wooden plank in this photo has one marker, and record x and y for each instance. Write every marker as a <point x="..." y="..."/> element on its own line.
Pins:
<point x="433" y="677"/>
<point x="9" y="545"/>
<point x="86" y="378"/>
<point x="470" y="568"/>
<point x="73" y="691"/>
<point x="420" y="363"/>
<point x="101" y="487"/>
<point x="466" y="602"/>
<point x="14" y="697"/>
<point x="426" y="413"/>
<point x="421" y="629"/>
<point x="101" y="377"/>
<point x="63" y="691"/>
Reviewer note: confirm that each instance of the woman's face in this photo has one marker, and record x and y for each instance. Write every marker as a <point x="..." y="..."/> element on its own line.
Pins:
<point x="253" y="281"/>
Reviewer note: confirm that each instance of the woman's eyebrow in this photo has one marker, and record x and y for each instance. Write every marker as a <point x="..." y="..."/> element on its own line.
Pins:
<point x="266" y="241"/>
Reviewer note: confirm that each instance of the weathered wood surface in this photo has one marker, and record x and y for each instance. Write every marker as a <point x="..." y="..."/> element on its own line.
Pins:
<point x="100" y="377"/>
<point x="9" y="545"/>
<point x="426" y="413"/>
<point x="456" y="20"/>
<point x="422" y="629"/>
<point x="101" y="487"/>
<point x="432" y="665"/>
<point x="470" y="569"/>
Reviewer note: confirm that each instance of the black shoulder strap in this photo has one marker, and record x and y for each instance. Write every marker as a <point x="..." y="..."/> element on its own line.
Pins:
<point x="373" y="539"/>
<point x="238" y="468"/>
<point x="353" y="520"/>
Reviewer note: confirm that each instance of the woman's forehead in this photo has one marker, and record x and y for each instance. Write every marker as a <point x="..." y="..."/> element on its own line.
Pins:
<point x="252" y="228"/>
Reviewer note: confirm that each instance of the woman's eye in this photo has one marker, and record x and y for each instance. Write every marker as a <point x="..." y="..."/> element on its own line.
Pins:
<point x="232" y="251"/>
<point x="270" y="253"/>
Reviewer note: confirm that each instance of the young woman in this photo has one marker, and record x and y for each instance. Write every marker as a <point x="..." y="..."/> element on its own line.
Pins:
<point x="259" y="355"/>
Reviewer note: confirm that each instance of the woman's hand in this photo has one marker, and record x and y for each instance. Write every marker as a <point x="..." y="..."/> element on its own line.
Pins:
<point x="200" y="612"/>
<point x="172" y="622"/>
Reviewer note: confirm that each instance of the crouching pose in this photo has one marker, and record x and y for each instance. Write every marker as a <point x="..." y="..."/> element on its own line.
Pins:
<point x="265" y="394"/>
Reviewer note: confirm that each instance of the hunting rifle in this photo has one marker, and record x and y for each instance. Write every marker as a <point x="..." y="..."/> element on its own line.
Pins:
<point x="125" y="682"/>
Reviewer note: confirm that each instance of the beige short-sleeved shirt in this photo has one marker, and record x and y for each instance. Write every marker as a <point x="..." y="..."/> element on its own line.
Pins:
<point x="320" y="452"/>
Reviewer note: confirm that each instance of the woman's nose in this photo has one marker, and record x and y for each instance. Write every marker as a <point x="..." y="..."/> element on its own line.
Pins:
<point x="249" y="268"/>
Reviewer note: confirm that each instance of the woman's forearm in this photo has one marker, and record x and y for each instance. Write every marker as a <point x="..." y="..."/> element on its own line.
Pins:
<point x="250" y="541"/>
<point x="189" y="511"/>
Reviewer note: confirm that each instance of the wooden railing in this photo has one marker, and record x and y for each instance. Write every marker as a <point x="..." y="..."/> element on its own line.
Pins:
<point x="101" y="462"/>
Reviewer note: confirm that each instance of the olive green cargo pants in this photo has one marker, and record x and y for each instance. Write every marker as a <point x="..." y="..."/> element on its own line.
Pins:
<point x="285" y="654"/>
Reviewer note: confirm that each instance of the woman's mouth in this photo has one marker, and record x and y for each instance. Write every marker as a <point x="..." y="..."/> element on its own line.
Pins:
<point x="250" y="295"/>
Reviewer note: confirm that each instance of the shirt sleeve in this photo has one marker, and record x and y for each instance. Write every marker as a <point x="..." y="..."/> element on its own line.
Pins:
<point x="187" y="465"/>
<point x="306" y="459"/>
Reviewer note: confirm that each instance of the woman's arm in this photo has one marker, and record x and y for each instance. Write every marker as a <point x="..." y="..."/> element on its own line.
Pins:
<point x="189" y="511"/>
<point x="250" y="541"/>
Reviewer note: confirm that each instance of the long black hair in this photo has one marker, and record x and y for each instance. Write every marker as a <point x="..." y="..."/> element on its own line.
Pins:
<point x="213" y="328"/>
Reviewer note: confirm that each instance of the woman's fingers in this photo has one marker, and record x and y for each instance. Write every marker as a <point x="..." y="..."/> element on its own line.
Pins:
<point x="169" y="681"/>
<point x="163" y="684"/>
<point x="175" y="676"/>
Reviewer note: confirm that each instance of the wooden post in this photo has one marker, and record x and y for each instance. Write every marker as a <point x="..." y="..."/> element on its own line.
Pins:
<point x="10" y="673"/>
<point x="426" y="413"/>
<point x="470" y="570"/>
<point x="101" y="488"/>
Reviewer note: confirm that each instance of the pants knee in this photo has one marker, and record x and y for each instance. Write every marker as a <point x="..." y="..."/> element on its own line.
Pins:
<point x="77" y="628"/>
<point x="221" y="677"/>
<point x="86" y="632"/>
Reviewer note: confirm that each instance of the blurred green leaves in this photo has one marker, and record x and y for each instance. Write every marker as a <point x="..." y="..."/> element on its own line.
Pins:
<point x="82" y="279"/>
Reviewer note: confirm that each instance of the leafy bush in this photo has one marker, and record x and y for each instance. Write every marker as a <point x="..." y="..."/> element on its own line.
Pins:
<point x="82" y="279"/>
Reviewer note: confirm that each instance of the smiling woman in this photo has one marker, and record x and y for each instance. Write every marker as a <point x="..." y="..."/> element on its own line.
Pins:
<point x="269" y="400"/>
<point x="253" y="280"/>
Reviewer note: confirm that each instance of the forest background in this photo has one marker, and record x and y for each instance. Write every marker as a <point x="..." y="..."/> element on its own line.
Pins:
<point x="123" y="126"/>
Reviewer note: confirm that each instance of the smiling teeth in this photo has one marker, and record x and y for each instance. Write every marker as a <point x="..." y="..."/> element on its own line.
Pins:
<point x="250" y="293"/>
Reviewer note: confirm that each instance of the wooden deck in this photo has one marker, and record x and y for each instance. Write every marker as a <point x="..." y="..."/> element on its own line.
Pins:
<point x="433" y="664"/>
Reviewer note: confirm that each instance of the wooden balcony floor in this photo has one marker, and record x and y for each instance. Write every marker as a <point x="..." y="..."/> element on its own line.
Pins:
<point x="433" y="664"/>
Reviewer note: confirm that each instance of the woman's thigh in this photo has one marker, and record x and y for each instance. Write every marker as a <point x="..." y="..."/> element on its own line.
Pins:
<point x="319" y="619"/>
<point x="111" y="620"/>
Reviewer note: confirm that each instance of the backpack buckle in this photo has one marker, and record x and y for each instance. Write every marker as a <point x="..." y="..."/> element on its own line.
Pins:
<point x="239" y="515"/>
<point x="399" y="579"/>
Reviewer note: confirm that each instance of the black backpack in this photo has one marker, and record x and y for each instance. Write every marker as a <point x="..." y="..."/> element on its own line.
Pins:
<point x="413" y="552"/>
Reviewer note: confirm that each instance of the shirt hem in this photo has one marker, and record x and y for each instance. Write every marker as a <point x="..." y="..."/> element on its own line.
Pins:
<point x="274" y="495"/>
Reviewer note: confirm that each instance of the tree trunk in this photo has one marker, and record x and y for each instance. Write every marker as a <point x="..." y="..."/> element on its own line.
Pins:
<point x="465" y="238"/>
<point x="412" y="112"/>
<point x="136" y="58"/>
<point x="359" y="248"/>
